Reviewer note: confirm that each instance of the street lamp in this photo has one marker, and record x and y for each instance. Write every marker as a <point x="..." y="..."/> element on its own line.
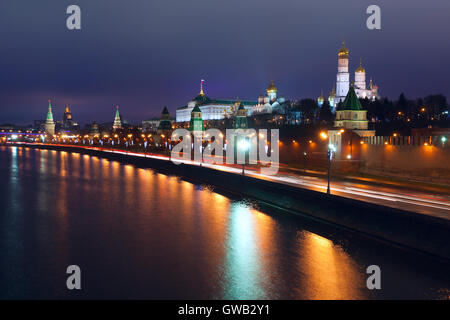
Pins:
<point x="331" y="149"/>
<point x="244" y="145"/>
<point x="443" y="140"/>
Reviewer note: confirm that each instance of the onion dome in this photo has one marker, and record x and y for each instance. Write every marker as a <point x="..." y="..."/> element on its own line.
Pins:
<point x="360" y="69"/>
<point x="343" y="52"/>
<point x="321" y="99"/>
<point x="271" y="87"/>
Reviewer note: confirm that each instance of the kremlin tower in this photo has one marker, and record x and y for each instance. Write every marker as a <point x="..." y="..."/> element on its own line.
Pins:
<point x="49" y="123"/>
<point x="196" y="123"/>
<point x="241" y="118"/>
<point x="117" y="125"/>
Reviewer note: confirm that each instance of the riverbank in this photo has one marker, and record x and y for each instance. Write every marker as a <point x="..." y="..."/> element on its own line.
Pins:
<point x="413" y="230"/>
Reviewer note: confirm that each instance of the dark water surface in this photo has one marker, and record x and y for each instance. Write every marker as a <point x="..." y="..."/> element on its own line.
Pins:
<point x="139" y="234"/>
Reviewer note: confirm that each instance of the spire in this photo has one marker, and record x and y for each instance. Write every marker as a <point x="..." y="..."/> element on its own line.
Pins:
<point x="351" y="101"/>
<point x="67" y="108"/>
<point x="49" y="112"/>
<point x="201" y="87"/>
<point x="117" y="121"/>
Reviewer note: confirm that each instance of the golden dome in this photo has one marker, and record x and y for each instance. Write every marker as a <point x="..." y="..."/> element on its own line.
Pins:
<point x="343" y="51"/>
<point x="360" y="68"/>
<point x="321" y="98"/>
<point x="272" y="87"/>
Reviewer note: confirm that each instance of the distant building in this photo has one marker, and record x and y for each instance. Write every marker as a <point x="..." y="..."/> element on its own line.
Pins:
<point x="117" y="125"/>
<point x="49" y="123"/>
<point x="212" y="109"/>
<point x="94" y="131"/>
<point x="150" y="125"/>
<point x="268" y="103"/>
<point x="343" y="81"/>
<point x="350" y="117"/>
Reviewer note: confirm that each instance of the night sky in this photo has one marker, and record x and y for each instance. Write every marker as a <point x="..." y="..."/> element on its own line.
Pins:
<point x="144" y="54"/>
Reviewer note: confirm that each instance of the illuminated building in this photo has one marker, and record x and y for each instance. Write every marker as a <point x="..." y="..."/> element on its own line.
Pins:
<point x="214" y="109"/>
<point x="94" y="131"/>
<point x="360" y="85"/>
<point x="268" y="103"/>
<point x="117" y="125"/>
<point x="350" y="118"/>
<point x="343" y="81"/>
<point x="196" y="122"/>
<point x="240" y="121"/>
<point x="211" y="109"/>
<point x="68" y="124"/>
<point x="49" y="123"/>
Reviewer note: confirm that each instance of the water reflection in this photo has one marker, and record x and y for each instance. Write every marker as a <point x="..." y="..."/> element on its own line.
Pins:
<point x="329" y="273"/>
<point x="157" y="236"/>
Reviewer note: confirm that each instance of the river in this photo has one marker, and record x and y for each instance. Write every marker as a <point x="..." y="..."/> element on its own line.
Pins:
<point x="136" y="233"/>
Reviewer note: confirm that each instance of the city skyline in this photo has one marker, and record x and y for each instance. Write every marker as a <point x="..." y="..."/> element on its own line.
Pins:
<point x="155" y="64"/>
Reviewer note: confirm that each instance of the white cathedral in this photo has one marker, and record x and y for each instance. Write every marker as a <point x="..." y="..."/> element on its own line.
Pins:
<point x="339" y="93"/>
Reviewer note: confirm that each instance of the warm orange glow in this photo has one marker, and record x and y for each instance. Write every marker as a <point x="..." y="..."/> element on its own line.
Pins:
<point x="385" y="142"/>
<point x="394" y="134"/>
<point x="163" y="136"/>
<point x="425" y="144"/>
<point x="310" y="141"/>
<point x="323" y="135"/>
<point x="362" y="142"/>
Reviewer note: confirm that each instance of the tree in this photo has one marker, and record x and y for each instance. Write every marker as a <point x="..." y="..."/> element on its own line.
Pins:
<point x="308" y="108"/>
<point x="325" y="114"/>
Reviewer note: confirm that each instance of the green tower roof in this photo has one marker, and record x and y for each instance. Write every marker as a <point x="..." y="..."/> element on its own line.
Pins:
<point x="196" y="109"/>
<point x="49" y="113"/>
<point x="351" y="101"/>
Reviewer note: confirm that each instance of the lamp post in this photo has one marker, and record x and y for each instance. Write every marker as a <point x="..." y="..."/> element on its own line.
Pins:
<point x="331" y="149"/>
<point x="244" y="146"/>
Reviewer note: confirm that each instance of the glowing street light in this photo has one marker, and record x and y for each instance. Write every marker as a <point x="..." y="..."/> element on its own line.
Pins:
<point x="331" y="149"/>
<point x="323" y="135"/>
<point x="443" y="140"/>
<point x="244" y="145"/>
